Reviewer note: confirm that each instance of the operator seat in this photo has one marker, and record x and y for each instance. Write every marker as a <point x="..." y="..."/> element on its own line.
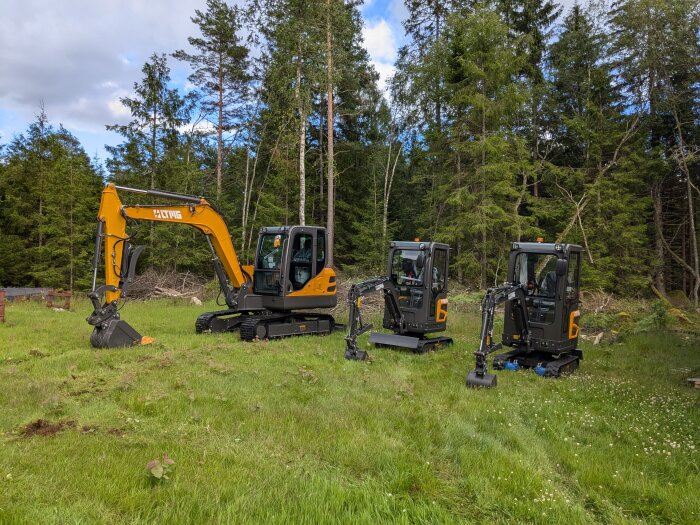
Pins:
<point x="548" y="286"/>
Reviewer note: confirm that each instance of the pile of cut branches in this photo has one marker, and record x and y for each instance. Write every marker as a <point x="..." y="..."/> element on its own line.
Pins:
<point x="167" y="284"/>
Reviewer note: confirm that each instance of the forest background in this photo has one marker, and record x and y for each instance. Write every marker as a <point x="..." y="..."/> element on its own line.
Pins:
<point x="504" y="120"/>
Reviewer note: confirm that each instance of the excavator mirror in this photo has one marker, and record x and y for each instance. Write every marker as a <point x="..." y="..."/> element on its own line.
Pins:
<point x="561" y="267"/>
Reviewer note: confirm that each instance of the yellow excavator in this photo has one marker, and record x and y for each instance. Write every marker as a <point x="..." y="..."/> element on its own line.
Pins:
<point x="270" y="299"/>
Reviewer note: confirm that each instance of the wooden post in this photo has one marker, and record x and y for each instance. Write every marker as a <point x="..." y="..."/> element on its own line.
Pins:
<point x="67" y="297"/>
<point x="52" y="295"/>
<point x="2" y="306"/>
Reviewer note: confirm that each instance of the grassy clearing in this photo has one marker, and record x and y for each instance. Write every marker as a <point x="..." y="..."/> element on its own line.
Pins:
<point x="289" y="432"/>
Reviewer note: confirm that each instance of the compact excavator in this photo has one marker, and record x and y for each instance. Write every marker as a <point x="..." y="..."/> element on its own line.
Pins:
<point x="541" y="325"/>
<point x="270" y="299"/>
<point x="415" y="300"/>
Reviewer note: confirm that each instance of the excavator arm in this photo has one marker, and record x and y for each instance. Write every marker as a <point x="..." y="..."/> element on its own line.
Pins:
<point x="508" y="292"/>
<point x="357" y="326"/>
<point x="120" y="257"/>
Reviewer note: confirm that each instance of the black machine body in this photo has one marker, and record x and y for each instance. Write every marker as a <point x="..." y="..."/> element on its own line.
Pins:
<point x="415" y="291"/>
<point x="541" y="325"/>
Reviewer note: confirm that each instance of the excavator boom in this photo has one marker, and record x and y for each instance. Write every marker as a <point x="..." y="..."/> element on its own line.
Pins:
<point x="120" y="257"/>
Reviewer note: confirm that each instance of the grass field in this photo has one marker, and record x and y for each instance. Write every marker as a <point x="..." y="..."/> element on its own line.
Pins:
<point x="289" y="432"/>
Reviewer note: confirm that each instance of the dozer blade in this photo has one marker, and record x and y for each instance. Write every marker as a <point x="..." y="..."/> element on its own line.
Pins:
<point x="400" y="341"/>
<point x="115" y="333"/>
<point x="485" y="380"/>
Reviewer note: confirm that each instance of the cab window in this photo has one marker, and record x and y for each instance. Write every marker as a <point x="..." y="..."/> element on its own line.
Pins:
<point x="407" y="274"/>
<point x="538" y="273"/>
<point x="320" y="251"/>
<point x="439" y="271"/>
<point x="404" y="270"/>
<point x="572" y="276"/>
<point x="270" y="253"/>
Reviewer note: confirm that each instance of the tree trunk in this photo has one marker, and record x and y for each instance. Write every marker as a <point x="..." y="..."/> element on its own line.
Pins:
<point x="388" y="183"/>
<point x="152" y="232"/>
<point x="535" y="142"/>
<point x="385" y="201"/>
<point x="659" y="280"/>
<point x="693" y="240"/>
<point x="302" y="145"/>
<point x="483" y="188"/>
<point x="330" y="221"/>
<point x="246" y="188"/>
<point x="153" y="146"/>
<point x="71" y="237"/>
<point x="321" y="171"/>
<point x="220" y="133"/>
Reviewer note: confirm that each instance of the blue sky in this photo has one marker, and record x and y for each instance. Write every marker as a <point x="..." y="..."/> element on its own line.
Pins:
<point x="78" y="57"/>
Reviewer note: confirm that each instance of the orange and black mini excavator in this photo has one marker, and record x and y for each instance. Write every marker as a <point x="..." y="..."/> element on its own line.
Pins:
<point x="415" y="300"/>
<point x="541" y="324"/>
<point x="269" y="299"/>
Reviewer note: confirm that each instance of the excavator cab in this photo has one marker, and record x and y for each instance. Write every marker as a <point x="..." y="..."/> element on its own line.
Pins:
<point x="550" y="273"/>
<point x="419" y="270"/>
<point x="290" y="269"/>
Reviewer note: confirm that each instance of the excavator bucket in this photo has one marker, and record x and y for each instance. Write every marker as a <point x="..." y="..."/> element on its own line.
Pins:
<point x="484" y="380"/>
<point x="115" y="333"/>
<point x="355" y="355"/>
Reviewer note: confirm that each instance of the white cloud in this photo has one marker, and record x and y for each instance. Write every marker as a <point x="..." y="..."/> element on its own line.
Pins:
<point x="398" y="10"/>
<point x="386" y="71"/>
<point x="366" y="5"/>
<point x="379" y="40"/>
<point x="79" y="56"/>
<point x="118" y="110"/>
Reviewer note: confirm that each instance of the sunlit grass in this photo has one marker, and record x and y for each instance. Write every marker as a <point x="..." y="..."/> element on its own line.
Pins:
<point x="289" y="432"/>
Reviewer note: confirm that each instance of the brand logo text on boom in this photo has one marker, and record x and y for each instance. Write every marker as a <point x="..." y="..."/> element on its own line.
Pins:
<point x="167" y="214"/>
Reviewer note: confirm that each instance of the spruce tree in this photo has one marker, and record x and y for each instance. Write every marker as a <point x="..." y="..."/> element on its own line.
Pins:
<point x="220" y="71"/>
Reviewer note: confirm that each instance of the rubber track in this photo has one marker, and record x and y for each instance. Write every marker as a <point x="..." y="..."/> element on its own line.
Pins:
<point x="249" y="327"/>
<point x="203" y="322"/>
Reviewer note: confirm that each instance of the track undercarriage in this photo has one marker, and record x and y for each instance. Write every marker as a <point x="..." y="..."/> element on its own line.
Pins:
<point x="266" y="324"/>
<point x="543" y="363"/>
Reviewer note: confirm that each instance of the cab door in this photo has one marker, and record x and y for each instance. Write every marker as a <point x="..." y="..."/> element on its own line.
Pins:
<point x="301" y="257"/>
<point x="439" y="267"/>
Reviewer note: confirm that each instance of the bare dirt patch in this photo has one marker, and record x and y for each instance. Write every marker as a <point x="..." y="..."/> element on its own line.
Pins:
<point x="43" y="427"/>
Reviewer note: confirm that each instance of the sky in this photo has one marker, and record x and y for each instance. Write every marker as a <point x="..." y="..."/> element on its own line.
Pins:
<point x="78" y="57"/>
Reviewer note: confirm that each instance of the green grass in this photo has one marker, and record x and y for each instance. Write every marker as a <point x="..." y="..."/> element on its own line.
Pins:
<point x="289" y="432"/>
